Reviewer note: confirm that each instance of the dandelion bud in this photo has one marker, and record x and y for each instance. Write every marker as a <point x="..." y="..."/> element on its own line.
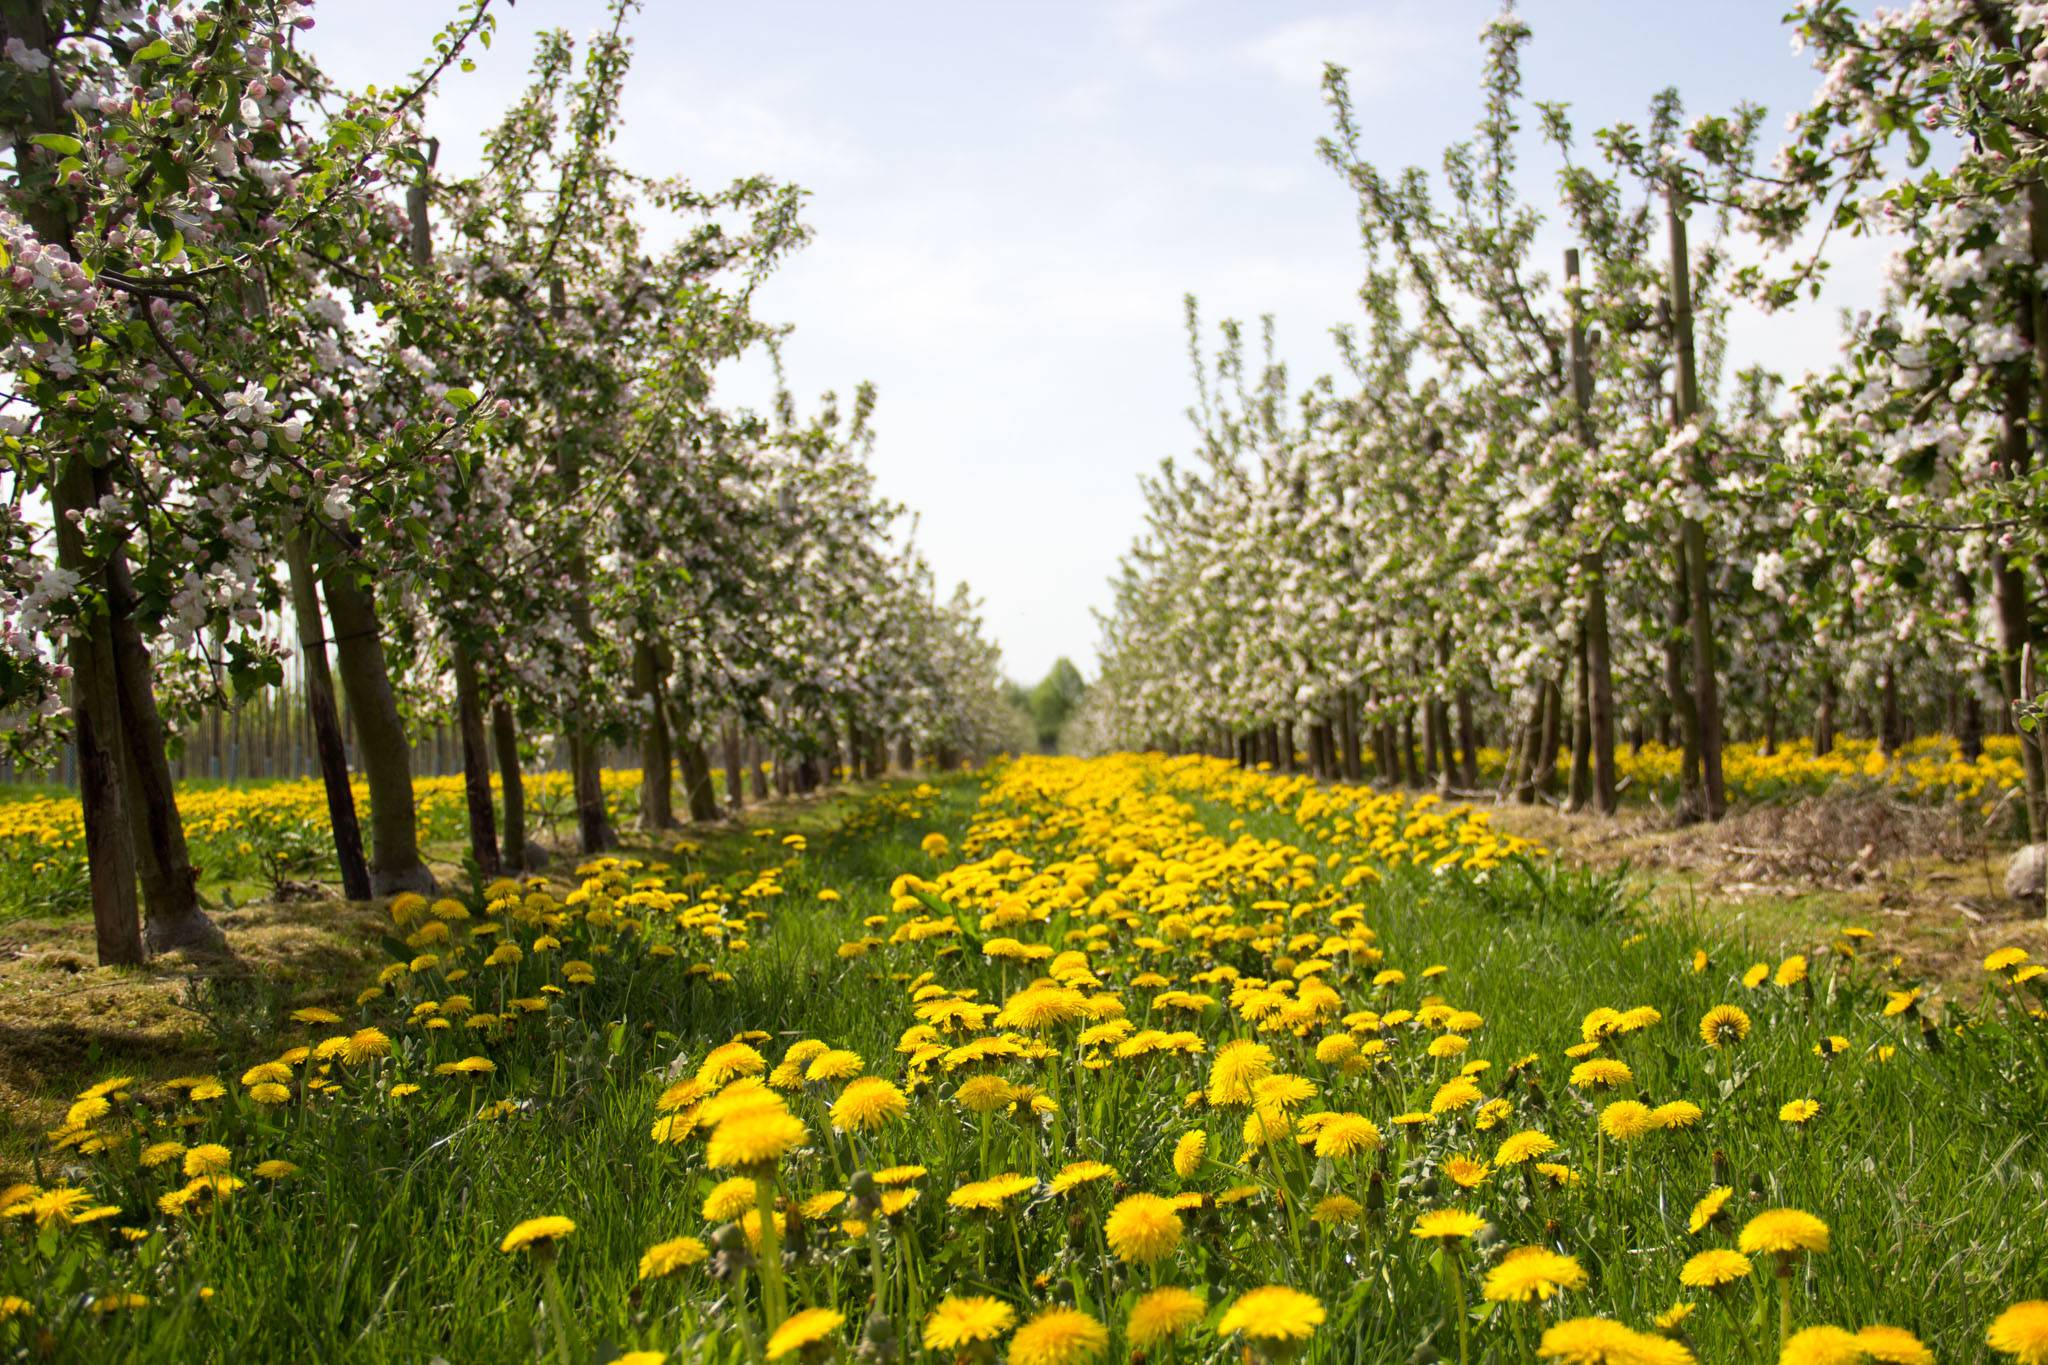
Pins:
<point x="730" y="1256"/>
<point x="862" y="1197"/>
<point x="877" y="1338"/>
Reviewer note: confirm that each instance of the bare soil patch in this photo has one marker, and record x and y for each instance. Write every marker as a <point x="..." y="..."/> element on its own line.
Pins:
<point x="66" y="1022"/>
<point x="1791" y="875"/>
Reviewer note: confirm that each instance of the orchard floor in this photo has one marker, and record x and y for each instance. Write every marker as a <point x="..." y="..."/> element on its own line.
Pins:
<point x="1907" y="1125"/>
<point x="65" y="1020"/>
<point x="1789" y="876"/>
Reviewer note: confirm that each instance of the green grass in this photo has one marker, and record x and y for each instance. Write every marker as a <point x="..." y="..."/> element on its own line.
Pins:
<point x="1929" y="1167"/>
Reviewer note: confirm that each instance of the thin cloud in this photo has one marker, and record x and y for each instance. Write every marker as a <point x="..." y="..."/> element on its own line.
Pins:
<point x="1380" y="50"/>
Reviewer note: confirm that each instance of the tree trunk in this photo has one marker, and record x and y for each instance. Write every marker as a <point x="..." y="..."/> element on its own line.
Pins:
<point x="696" y="766"/>
<point x="326" y="720"/>
<point x="96" y="722"/>
<point x="1600" y="674"/>
<point x="586" y="772"/>
<point x="386" y="758"/>
<point x="1691" y="801"/>
<point x="1970" y="726"/>
<point x="735" y="767"/>
<point x="1347" y="737"/>
<point x="476" y="760"/>
<point x="1544" y="773"/>
<point x="1525" y="764"/>
<point x="1892" y="726"/>
<point x="1824" y="714"/>
<point x="1706" y="686"/>
<point x="650" y="681"/>
<point x="1468" y="739"/>
<point x="1436" y="744"/>
<point x="2009" y="593"/>
<point x="505" y="739"/>
<point x="1580" y="788"/>
<point x="172" y="918"/>
<point x="1596" y="659"/>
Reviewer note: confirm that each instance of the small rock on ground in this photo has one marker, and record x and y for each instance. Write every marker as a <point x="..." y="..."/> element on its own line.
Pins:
<point x="2027" y="873"/>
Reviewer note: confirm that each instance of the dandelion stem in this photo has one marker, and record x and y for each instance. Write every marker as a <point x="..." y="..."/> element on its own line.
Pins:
<point x="1455" y="1268"/>
<point x="1017" y="1243"/>
<point x="558" y="1312"/>
<point x="739" y="1312"/>
<point x="771" y="1252"/>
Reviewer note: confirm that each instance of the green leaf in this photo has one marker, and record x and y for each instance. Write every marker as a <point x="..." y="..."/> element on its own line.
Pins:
<point x="462" y="398"/>
<point x="155" y="52"/>
<point x="59" y="142"/>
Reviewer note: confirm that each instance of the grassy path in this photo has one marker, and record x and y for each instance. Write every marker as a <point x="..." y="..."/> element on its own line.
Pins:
<point x="1356" y="1001"/>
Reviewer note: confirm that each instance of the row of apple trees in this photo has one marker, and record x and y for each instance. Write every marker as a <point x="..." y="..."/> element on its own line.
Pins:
<point x="1546" y="502"/>
<point x="265" y="363"/>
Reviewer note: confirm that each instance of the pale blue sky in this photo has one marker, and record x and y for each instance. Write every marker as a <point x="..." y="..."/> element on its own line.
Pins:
<point x="1011" y="198"/>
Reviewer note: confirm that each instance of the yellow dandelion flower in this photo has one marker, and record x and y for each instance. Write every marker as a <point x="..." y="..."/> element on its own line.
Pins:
<point x="1336" y="1210"/>
<point x="1709" y="1207"/>
<point x="1712" y="1269"/>
<point x="208" y="1158"/>
<point x="1523" y="1146"/>
<point x="1533" y="1275"/>
<point x="2021" y="1332"/>
<point x="1821" y="1346"/>
<point x="1600" y="1341"/>
<point x="1893" y="1346"/>
<point x="1078" y="1173"/>
<point x="1447" y="1225"/>
<point x="1347" y="1135"/>
<point x="1601" y="1073"/>
<point x="957" y="1324"/>
<point x="1059" y="1336"/>
<point x="1784" y="1231"/>
<point x="729" y="1199"/>
<point x="1164" y="1314"/>
<point x="868" y="1103"/>
<point x="1143" y="1228"/>
<point x="754" y="1137"/>
<point x="1273" y="1313"/>
<point x="1627" y="1120"/>
<point x="992" y="1193"/>
<point x="535" y="1233"/>
<point x="804" y="1328"/>
<point x="1723" y="1026"/>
